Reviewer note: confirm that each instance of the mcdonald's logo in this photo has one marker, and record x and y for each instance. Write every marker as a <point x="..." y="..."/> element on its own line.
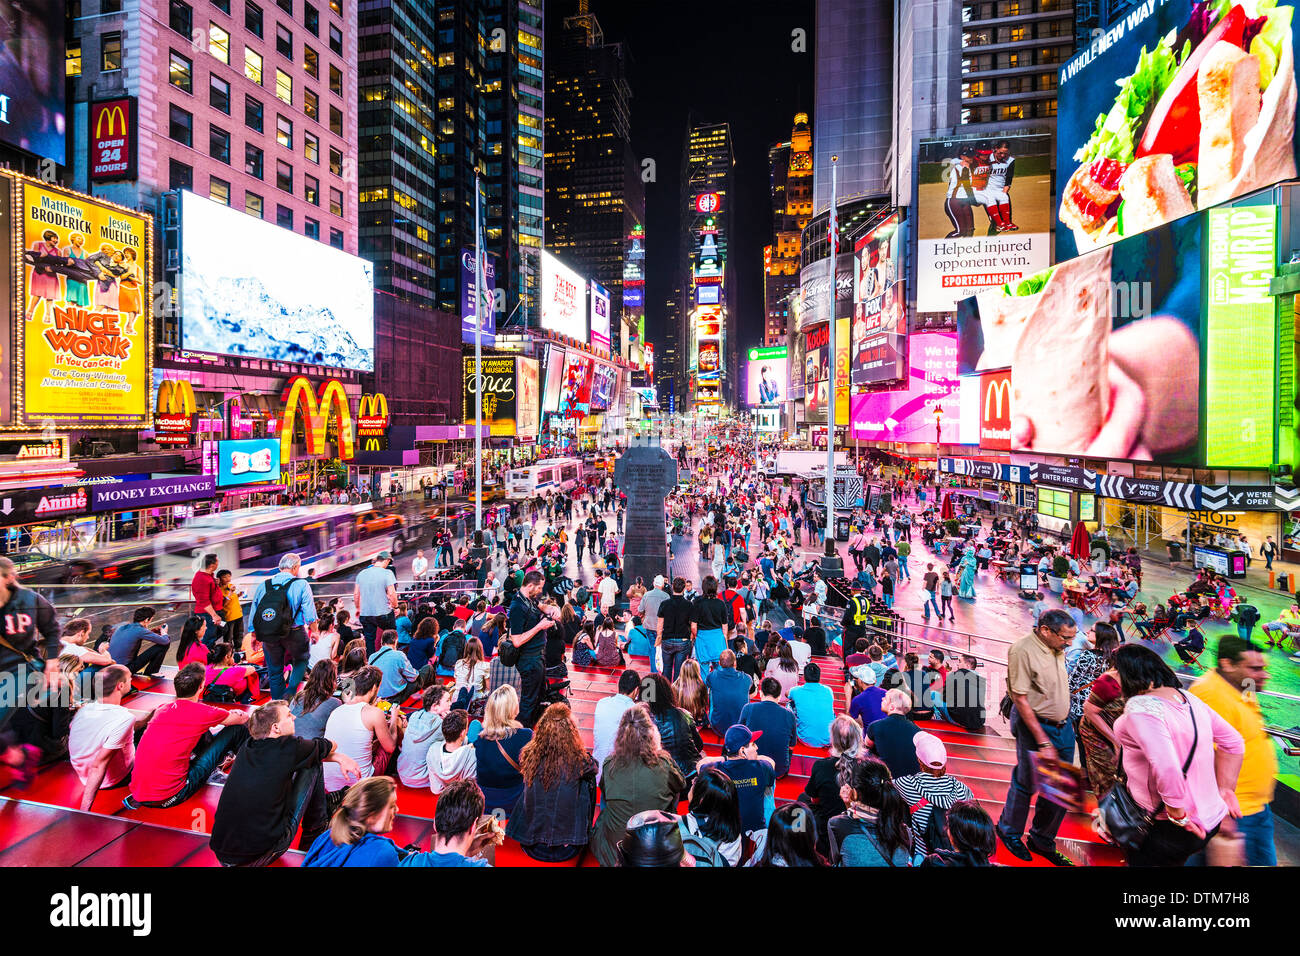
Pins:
<point x="995" y="415"/>
<point x="372" y="416"/>
<point x="176" y="398"/>
<point x="113" y="140"/>
<point x="998" y="394"/>
<point x="115" y="114"/>
<point x="331" y="398"/>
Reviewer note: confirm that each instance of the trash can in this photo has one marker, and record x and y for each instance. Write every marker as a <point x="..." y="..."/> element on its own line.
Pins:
<point x="1283" y="582"/>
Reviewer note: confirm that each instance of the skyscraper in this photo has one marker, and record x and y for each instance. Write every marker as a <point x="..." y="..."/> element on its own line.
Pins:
<point x="448" y="87"/>
<point x="253" y="106"/>
<point x="595" y="200"/>
<point x="790" y="164"/>
<point x="708" y="160"/>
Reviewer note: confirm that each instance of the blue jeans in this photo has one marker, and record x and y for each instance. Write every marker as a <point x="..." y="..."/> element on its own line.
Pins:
<point x="902" y="567"/>
<point x="1047" y="815"/>
<point x="930" y="602"/>
<point x="675" y="654"/>
<point x="1257" y="830"/>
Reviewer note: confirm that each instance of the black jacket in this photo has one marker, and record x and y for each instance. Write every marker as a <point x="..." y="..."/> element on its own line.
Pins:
<point x="28" y="623"/>
<point x="560" y="816"/>
<point x="680" y="738"/>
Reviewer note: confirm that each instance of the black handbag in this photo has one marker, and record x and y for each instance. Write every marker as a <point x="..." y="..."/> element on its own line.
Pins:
<point x="1127" y="823"/>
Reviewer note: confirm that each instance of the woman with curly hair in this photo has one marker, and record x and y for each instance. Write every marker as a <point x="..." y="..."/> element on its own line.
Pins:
<point x="692" y="694"/>
<point x="639" y="775"/>
<point x="552" y="818"/>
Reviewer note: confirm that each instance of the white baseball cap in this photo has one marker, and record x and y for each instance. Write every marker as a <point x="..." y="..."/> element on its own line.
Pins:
<point x="659" y="580"/>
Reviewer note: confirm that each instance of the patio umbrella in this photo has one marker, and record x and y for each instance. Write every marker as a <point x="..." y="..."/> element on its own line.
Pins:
<point x="1081" y="542"/>
<point x="946" y="510"/>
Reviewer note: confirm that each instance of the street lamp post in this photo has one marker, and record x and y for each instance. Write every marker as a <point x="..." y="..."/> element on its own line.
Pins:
<point x="831" y="563"/>
<point x="478" y="363"/>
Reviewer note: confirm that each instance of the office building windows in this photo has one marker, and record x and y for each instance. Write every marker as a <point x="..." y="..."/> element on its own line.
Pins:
<point x="252" y="18"/>
<point x="219" y="144"/>
<point x="179" y="175"/>
<point x="218" y="43"/>
<point x="254" y="205"/>
<point x="311" y="147"/>
<point x="284" y="86"/>
<point x="283" y="176"/>
<point x="284" y="131"/>
<point x="219" y="190"/>
<point x="180" y="72"/>
<point x="180" y="17"/>
<point x="110" y="53"/>
<point x="311" y="190"/>
<point x="253" y="65"/>
<point x="284" y="217"/>
<point x="219" y="94"/>
<point x="253" y="160"/>
<point x="311" y="228"/>
<point x="180" y="126"/>
<point x="253" y="113"/>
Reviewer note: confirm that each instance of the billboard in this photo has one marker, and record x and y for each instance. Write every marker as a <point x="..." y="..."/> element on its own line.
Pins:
<point x="766" y="376"/>
<point x="1179" y="106"/>
<point x="554" y="379"/>
<point x="500" y="387"/>
<point x="984" y="214"/>
<point x="1240" y="336"/>
<point x="841" y="365"/>
<point x="575" y="386"/>
<point x="528" y="407"/>
<point x="469" y="301"/>
<point x="564" y="299"/>
<point x="86" y="335"/>
<point x="879" y="305"/>
<point x="250" y="288"/>
<point x="708" y="294"/>
<point x="33" y="114"/>
<point x="603" y="380"/>
<point x="994" y="398"/>
<point x="247" y="461"/>
<point x="908" y="414"/>
<point x="114" y="139"/>
<point x="1103" y="351"/>
<point x="710" y="357"/>
<point x="599" y="317"/>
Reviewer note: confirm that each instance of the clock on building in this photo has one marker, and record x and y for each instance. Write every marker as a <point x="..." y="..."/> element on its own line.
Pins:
<point x="801" y="161"/>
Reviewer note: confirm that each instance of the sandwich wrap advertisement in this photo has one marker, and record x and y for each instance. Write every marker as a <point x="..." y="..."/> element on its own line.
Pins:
<point x="1177" y="106"/>
<point x="1104" y="351"/>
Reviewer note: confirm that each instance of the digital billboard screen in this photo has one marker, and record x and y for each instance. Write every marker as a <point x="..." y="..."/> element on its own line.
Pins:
<point x="33" y="113"/>
<point x="766" y="376"/>
<point x="564" y="299"/>
<point x="250" y="288"/>
<point x="708" y="294"/>
<point x="469" y="302"/>
<point x="528" y="403"/>
<point x="1177" y="106"/>
<point x="600" y="318"/>
<point x="603" y="379"/>
<point x="575" y="386"/>
<point x="85" y="342"/>
<point x="879" y="305"/>
<point x="984" y="214"/>
<point x="500" y="387"/>
<point x="1103" y="351"/>
<point x="908" y="414"/>
<point x="554" y="378"/>
<point x="247" y="461"/>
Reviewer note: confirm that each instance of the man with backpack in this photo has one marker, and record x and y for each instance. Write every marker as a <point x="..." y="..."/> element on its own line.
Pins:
<point x="283" y="607"/>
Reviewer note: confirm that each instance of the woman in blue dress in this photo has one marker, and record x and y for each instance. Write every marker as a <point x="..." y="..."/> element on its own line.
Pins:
<point x="967" y="584"/>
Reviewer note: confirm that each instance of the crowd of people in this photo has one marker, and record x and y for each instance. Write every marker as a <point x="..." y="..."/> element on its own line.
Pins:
<point x="463" y="692"/>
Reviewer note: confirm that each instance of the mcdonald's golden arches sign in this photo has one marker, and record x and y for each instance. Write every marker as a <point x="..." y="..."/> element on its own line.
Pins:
<point x="173" y="419"/>
<point x="319" y="406"/>
<point x="995" y="410"/>
<point x="113" y="140"/>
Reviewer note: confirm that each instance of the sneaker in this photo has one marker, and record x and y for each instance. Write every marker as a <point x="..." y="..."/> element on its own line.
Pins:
<point x="128" y="802"/>
<point x="1051" y="854"/>
<point x="1016" y="847"/>
<point x="218" y="779"/>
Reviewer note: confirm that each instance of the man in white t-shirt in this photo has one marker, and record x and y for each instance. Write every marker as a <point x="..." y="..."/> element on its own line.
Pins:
<point x="101" y="740"/>
<point x="801" y="650"/>
<point x="608" y="589"/>
<point x="420" y="566"/>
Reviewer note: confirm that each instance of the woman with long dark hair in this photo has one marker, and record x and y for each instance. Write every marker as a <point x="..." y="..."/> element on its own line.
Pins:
<point x="192" y="632"/>
<point x="784" y="669"/>
<point x="639" y="775"/>
<point x="552" y="818"/>
<point x="677" y="730"/>
<point x="791" y="839"/>
<point x="1180" y="758"/>
<point x="315" y="701"/>
<point x="876" y="827"/>
<point x="971" y="833"/>
<point x="711" y="827"/>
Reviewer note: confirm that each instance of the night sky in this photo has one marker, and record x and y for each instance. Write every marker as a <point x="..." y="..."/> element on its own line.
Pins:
<point x="728" y="61"/>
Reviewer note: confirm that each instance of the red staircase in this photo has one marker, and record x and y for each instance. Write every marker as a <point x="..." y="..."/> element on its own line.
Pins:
<point x="43" y="827"/>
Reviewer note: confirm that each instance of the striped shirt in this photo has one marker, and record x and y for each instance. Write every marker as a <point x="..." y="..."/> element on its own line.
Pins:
<point x="940" y="792"/>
